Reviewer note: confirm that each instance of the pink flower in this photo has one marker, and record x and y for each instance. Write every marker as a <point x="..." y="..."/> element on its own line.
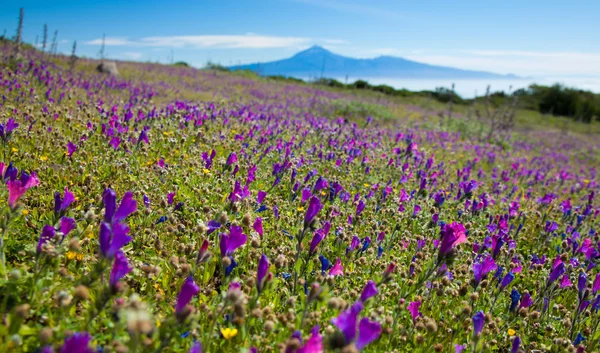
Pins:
<point x="17" y="188"/>
<point x="337" y="269"/>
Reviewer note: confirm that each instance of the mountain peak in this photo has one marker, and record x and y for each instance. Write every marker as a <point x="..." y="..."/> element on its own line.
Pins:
<point x="317" y="61"/>
<point x="315" y="49"/>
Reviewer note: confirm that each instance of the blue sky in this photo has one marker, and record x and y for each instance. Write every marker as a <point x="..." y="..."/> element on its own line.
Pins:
<point x="526" y="37"/>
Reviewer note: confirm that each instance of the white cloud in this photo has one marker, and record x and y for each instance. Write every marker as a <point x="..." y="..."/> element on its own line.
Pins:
<point x="248" y="41"/>
<point x="131" y="55"/>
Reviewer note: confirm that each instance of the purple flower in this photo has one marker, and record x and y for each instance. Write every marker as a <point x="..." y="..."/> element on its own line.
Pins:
<point x="478" y="321"/>
<point x="367" y="331"/>
<point x="112" y="238"/>
<point x="120" y="268"/>
<point x="581" y="282"/>
<point x="233" y="240"/>
<point x="261" y="196"/>
<point x="71" y="148"/>
<point x="263" y="268"/>
<point x="314" y="207"/>
<point x="508" y="278"/>
<point x="61" y="204"/>
<point x="258" y="226"/>
<point x="78" y="343"/>
<point x="458" y="348"/>
<point x="557" y="270"/>
<point x="416" y="210"/>
<point x="232" y="159"/>
<point x="482" y="267"/>
<point x="346" y="321"/>
<point x="413" y="308"/>
<point x="596" y="285"/>
<point x="48" y="233"/>
<point x="143" y="137"/>
<point x="188" y="290"/>
<point x="526" y="301"/>
<point x="170" y="198"/>
<point x="369" y="291"/>
<point x="360" y="207"/>
<point x="111" y="213"/>
<point x="515" y="344"/>
<point x="212" y="226"/>
<point x="451" y="235"/>
<point x="196" y="347"/>
<point x="316" y="240"/>
<point x="66" y="225"/>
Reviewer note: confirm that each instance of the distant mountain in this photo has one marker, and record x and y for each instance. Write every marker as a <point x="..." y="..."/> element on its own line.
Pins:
<point x="317" y="61"/>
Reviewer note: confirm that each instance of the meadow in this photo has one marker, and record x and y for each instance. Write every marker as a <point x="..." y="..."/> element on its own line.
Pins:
<point x="171" y="209"/>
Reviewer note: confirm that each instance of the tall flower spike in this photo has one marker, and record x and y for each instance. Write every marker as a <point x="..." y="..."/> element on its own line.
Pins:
<point x="188" y="290"/>
<point x="478" y="322"/>
<point x="263" y="268"/>
<point x="314" y="207"/>
<point x="120" y="268"/>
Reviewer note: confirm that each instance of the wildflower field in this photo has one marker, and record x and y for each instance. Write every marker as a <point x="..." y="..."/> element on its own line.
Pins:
<point x="170" y="209"/>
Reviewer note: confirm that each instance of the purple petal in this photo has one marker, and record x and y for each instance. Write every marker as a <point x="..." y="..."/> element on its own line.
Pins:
<point x="368" y="331"/>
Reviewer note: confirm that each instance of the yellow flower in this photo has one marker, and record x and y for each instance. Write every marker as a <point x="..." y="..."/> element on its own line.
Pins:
<point x="511" y="332"/>
<point x="229" y="333"/>
<point x="586" y="181"/>
<point x="366" y="185"/>
<point x="25" y="212"/>
<point x="43" y="158"/>
<point x="206" y="171"/>
<point x="71" y="255"/>
<point x="323" y="192"/>
<point x="300" y="209"/>
<point x="14" y="150"/>
<point x="79" y="257"/>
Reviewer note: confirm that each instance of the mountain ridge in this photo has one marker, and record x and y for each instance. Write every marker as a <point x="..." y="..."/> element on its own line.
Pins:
<point x="317" y="61"/>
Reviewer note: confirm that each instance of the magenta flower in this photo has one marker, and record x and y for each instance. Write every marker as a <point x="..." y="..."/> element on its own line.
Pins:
<point x="188" y="290"/>
<point x="558" y="268"/>
<point x="565" y="282"/>
<point x="452" y="235"/>
<point x="526" y="301"/>
<point x="314" y="207"/>
<point x="263" y="268"/>
<point x="62" y="203"/>
<point x="258" y="226"/>
<point x="481" y="267"/>
<point x="48" y="233"/>
<point x="66" y="225"/>
<point x="314" y="344"/>
<point x="478" y="322"/>
<point x="458" y="348"/>
<point x="413" y="308"/>
<point x="337" y="269"/>
<point x="170" y="198"/>
<point x="79" y="342"/>
<point x="17" y="188"/>
<point x="367" y="331"/>
<point x="230" y="242"/>
<point x="71" y="148"/>
<point x="115" y="142"/>
<point x="232" y="159"/>
<point x="260" y="197"/>
<point x="120" y="268"/>
<point x="369" y="291"/>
